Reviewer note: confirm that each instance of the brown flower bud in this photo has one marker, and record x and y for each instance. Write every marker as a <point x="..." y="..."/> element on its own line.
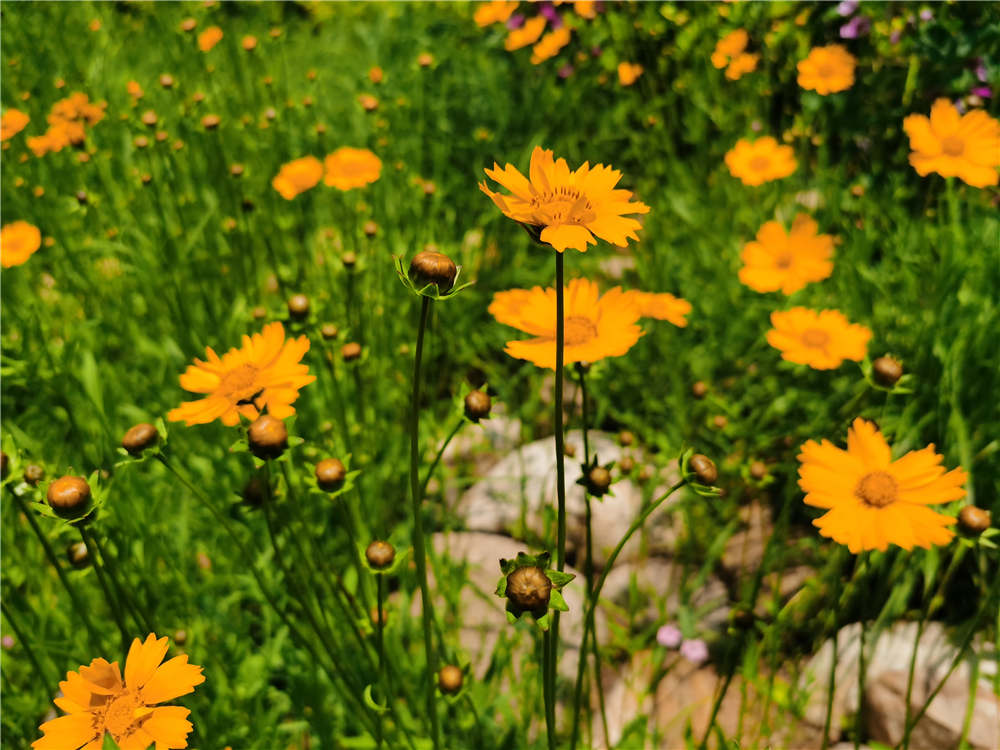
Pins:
<point x="529" y="589"/>
<point x="350" y="351"/>
<point x="626" y="438"/>
<point x="236" y="170"/>
<point x="259" y="312"/>
<point x="380" y="554"/>
<point x="188" y="24"/>
<point x="330" y="474"/>
<point x="149" y="118"/>
<point x="210" y="122"/>
<point x="78" y="555"/>
<point x="645" y="474"/>
<point x="373" y="613"/>
<point x="974" y="520"/>
<point x="349" y="259"/>
<point x="626" y="464"/>
<point x="198" y="97"/>
<point x="719" y="422"/>
<point x="141" y="141"/>
<point x="429" y="267"/>
<point x="298" y="306"/>
<point x="146" y="179"/>
<point x="161" y="136"/>
<point x="425" y="59"/>
<point x="268" y="437"/>
<point x="81" y="197"/>
<point x="598" y="481"/>
<point x="450" y="679"/>
<point x="167" y="81"/>
<point x="699" y="389"/>
<point x="887" y="371"/>
<point x="478" y="405"/>
<point x="569" y="449"/>
<point x="329" y="331"/>
<point x="758" y="470"/>
<point x="69" y="496"/>
<point x="33" y="474"/>
<point x="180" y="637"/>
<point x="370" y="228"/>
<point x="704" y="468"/>
<point x="140" y="437"/>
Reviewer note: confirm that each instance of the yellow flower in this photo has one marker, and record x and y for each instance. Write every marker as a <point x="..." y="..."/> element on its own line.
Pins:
<point x="760" y="161"/>
<point x="787" y="261"/>
<point x="527" y="34"/>
<point x="550" y="45"/>
<point x="568" y="208"/>
<point x="595" y="326"/>
<point x="12" y="123"/>
<point x="964" y="146"/>
<point x="265" y="373"/>
<point x="209" y="38"/>
<point x="497" y="11"/>
<point x="729" y="46"/>
<point x="18" y="242"/>
<point x="827" y="70"/>
<point x="348" y="168"/>
<point x="741" y="65"/>
<point x="297" y="176"/>
<point x="585" y="8"/>
<point x="661" y="306"/>
<point x="628" y="73"/>
<point x="134" y="89"/>
<point x="97" y="701"/>
<point x="873" y="501"/>
<point x="249" y="42"/>
<point x="822" y="340"/>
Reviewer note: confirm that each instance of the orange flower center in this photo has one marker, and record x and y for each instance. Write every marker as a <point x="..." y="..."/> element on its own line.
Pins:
<point x="825" y="70"/>
<point x="120" y="716"/>
<point x="953" y="145"/>
<point x="877" y="489"/>
<point x="578" y="330"/>
<point x="239" y="383"/>
<point x="759" y="163"/>
<point x="563" y="205"/>
<point x="815" y="337"/>
<point x="784" y="259"/>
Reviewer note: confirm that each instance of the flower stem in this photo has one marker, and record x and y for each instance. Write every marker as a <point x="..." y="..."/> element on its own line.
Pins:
<point x="437" y="458"/>
<point x="43" y="676"/>
<point x="380" y="645"/>
<point x="113" y="605"/>
<point x="419" y="552"/>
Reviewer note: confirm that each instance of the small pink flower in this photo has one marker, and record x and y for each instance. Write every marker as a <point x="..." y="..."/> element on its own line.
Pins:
<point x="8" y="642"/>
<point x="695" y="651"/>
<point x="669" y="636"/>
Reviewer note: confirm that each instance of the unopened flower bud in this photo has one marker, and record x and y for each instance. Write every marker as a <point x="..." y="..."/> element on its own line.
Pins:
<point x="81" y="197"/>
<point x="699" y="389"/>
<point x="33" y="474"/>
<point x="349" y="259"/>
<point x="69" y="496"/>
<point x="259" y="312"/>
<point x="329" y="331"/>
<point x="887" y="371"/>
<point x="149" y="118"/>
<point x="758" y="470"/>
<point x="598" y="481"/>
<point x="529" y="589"/>
<point x="626" y="464"/>
<point x="719" y="422"/>
<point x="450" y="679"/>
<point x="429" y="267"/>
<point x="236" y="170"/>
<point x="330" y="474"/>
<point x="350" y="351"/>
<point x="626" y="438"/>
<point x="569" y="449"/>
<point x="167" y="81"/>
<point x="974" y="520"/>
<point x="180" y="637"/>
<point x="210" y="122"/>
<point x="370" y="228"/>
<point x="477" y="405"/>
<point x="645" y="474"/>
<point x="380" y="554"/>
<point x="298" y="306"/>
<point x="704" y="468"/>
<point x="268" y="437"/>
<point x="140" y="437"/>
<point x="78" y="555"/>
<point x="375" y="618"/>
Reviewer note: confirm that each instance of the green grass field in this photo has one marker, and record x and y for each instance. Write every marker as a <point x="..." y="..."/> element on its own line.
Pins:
<point x="162" y="235"/>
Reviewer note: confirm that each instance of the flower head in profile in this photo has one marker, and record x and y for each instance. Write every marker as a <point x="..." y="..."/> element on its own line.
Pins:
<point x="497" y="11"/>
<point x="98" y="701"/>
<point x="743" y="63"/>
<point x="563" y="208"/>
<point x="12" y="122"/>
<point x="786" y="261"/>
<point x="955" y="145"/>
<point x="661" y="306"/>
<point x="209" y="38"/>
<point x="822" y="340"/>
<point x="265" y="373"/>
<point x="628" y="73"/>
<point x="873" y="501"/>
<point x="297" y="176"/>
<point x="760" y="161"/>
<point x="550" y="45"/>
<point x="18" y="242"/>
<point x="348" y="168"/>
<point x="827" y="70"/>
<point x="526" y="34"/>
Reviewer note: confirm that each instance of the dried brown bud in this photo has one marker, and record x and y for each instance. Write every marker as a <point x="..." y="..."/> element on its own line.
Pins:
<point x="645" y="474"/>
<point x="704" y="468"/>
<point x="81" y="197"/>
<point x="350" y="351"/>
<point x="626" y="438"/>
<point x="298" y="306"/>
<point x="887" y="371"/>
<point x="78" y="555"/>
<point x="329" y="331"/>
<point x="330" y="474"/>
<point x="268" y="437"/>
<point x="141" y="141"/>
<point x="699" y="389"/>
<point x="146" y="179"/>
<point x="974" y="520"/>
<point x="380" y="554"/>
<point x="598" y="481"/>
<point x="69" y="496"/>
<point x="758" y="470"/>
<point x="429" y="267"/>
<point x="375" y="618"/>
<point x="478" y="405"/>
<point x="140" y="437"/>
<point x="33" y="474"/>
<point x="450" y="679"/>
<point x="529" y="589"/>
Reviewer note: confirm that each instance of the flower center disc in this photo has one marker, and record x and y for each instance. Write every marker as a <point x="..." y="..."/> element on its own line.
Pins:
<point x="825" y="71"/>
<point x="784" y="260"/>
<point x="240" y="384"/>
<point x="953" y="146"/>
<point x="120" y="718"/>
<point x="877" y="489"/>
<point x="578" y="330"/>
<point x="564" y="205"/>
<point x="815" y="337"/>
<point x="759" y="163"/>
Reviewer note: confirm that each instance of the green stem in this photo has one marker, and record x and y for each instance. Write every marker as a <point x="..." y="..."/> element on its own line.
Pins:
<point x="111" y="567"/>
<point x="95" y="563"/>
<point x="550" y="713"/>
<point x="437" y="458"/>
<point x="43" y="677"/>
<point x="419" y="552"/>
<point x="380" y="645"/>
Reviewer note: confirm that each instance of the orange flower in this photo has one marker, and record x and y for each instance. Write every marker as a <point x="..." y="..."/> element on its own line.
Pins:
<point x="265" y="373"/>
<point x="134" y="89"/>
<point x="760" y="161"/>
<point x="527" y="34"/>
<point x="12" y="123"/>
<point x="873" y="501"/>
<point x="550" y="45"/>
<point x="628" y="73"/>
<point x="209" y="38"/>
<point x="497" y="11"/>
<point x="18" y="242"/>
<point x="368" y="102"/>
<point x="827" y="70"/>
<point x="566" y="209"/>
<point x="741" y="65"/>
<point x="661" y="307"/>
<point x="595" y="327"/>
<point x="786" y="261"/>
<point x="98" y="701"/>
<point x="375" y="75"/>
<point x="822" y="340"/>
<point x="964" y="146"/>
<point x="297" y="176"/>
<point x="585" y="8"/>
<point x="729" y="47"/>
<point x="249" y="42"/>
<point x="348" y="168"/>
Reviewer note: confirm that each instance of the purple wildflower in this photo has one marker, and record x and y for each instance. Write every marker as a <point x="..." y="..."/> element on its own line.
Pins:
<point x="960" y="106"/>
<point x="895" y="36"/>
<point x="981" y="69"/>
<point x="669" y="636"/>
<point x="926" y="14"/>
<point x="847" y="7"/>
<point x="516" y="21"/>
<point x="982" y="91"/>
<point x="695" y="651"/>
<point x="549" y="11"/>
<point x="8" y="642"/>
<point x="566" y="71"/>
<point x="857" y="26"/>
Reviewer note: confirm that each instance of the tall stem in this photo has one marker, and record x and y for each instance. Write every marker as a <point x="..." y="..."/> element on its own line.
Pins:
<point x="419" y="553"/>
<point x="380" y="644"/>
<point x="113" y="604"/>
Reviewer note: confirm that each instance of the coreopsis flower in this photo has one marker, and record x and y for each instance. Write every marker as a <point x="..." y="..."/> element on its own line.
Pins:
<point x="628" y="73"/>
<point x="18" y="242"/>
<point x="661" y="306"/>
<point x="563" y="208"/>
<point x="760" y="161"/>
<point x="98" y="701"/>
<point x="348" y="168"/>
<point x="209" y="38"/>
<point x="12" y="123"/>
<point x="786" y="261"/>
<point x="525" y="35"/>
<point x="497" y="11"/>
<point x="249" y="42"/>
<point x="134" y="89"/>
<point x="827" y="70"/>
<point x="297" y="176"/>
<point x="585" y="8"/>
<point x="822" y="340"/>
<point x="873" y="501"/>
<point x="265" y="373"/>
<point x="742" y="64"/>
<point x="954" y="145"/>
<point x="731" y="45"/>
<point x="550" y="45"/>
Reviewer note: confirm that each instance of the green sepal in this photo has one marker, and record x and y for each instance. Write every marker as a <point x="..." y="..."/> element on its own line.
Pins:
<point x="584" y="480"/>
<point x="556" y="600"/>
<point x="349" y="477"/>
<point x="109" y="743"/>
<point x="691" y="478"/>
<point x="431" y="290"/>
<point x="906" y="384"/>
<point x="556" y="577"/>
<point x="397" y="561"/>
<point x="370" y="701"/>
<point x="97" y="499"/>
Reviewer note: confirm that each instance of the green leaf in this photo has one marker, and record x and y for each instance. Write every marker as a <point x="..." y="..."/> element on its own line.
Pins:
<point x="109" y="743"/>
